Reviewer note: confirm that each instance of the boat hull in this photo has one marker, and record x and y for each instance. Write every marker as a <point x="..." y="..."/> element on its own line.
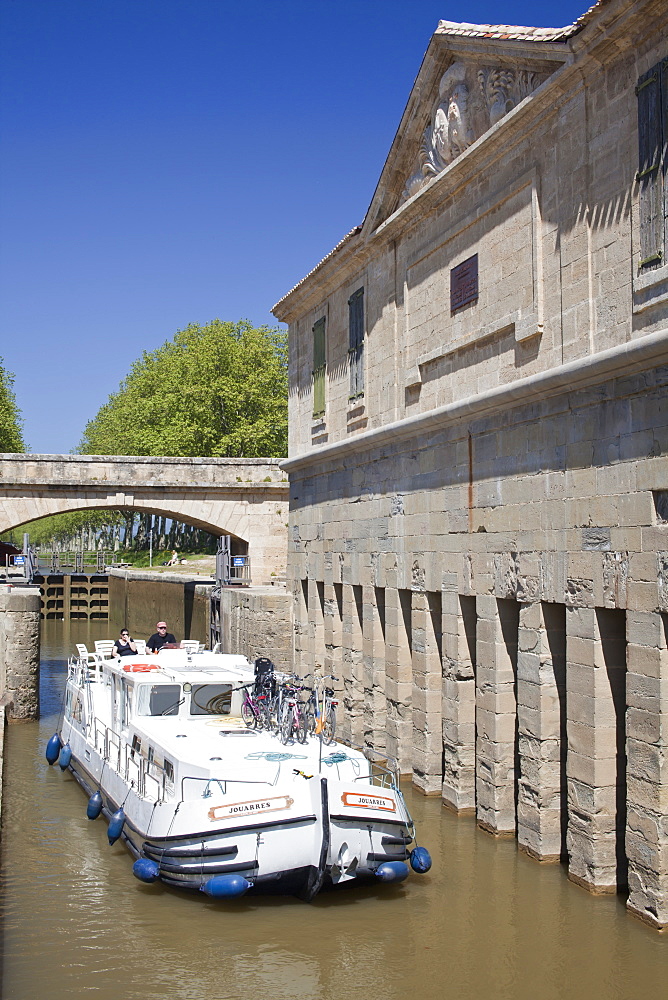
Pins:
<point x="205" y="803"/>
<point x="296" y="854"/>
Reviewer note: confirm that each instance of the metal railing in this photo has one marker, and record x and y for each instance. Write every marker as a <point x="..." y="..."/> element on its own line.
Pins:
<point x="231" y="568"/>
<point x="383" y="770"/>
<point x="147" y="776"/>
<point x="20" y="568"/>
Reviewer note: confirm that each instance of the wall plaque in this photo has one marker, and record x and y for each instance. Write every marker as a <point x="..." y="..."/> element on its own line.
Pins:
<point x="464" y="283"/>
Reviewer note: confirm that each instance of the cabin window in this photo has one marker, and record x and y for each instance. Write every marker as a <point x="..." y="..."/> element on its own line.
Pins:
<point x="159" y="699"/>
<point x="74" y="706"/>
<point x="153" y="765"/>
<point x="125" y="704"/>
<point x="211" y="699"/>
<point x="136" y="746"/>
<point x="169" y="771"/>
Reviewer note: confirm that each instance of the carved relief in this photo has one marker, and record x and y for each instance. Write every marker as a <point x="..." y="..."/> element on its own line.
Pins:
<point x="496" y="86"/>
<point x="470" y="101"/>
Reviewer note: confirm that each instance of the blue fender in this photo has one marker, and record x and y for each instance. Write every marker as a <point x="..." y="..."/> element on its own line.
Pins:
<point x="226" y="886"/>
<point x="116" y="824"/>
<point x="392" y="871"/>
<point x="420" y="859"/>
<point x="146" y="870"/>
<point x="94" y="807"/>
<point x="65" y="757"/>
<point x="53" y="749"/>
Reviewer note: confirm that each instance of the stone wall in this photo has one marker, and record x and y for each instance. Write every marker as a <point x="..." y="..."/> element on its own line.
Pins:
<point x="254" y="621"/>
<point x="493" y="596"/>
<point x="19" y="652"/>
<point x="138" y="599"/>
<point x="258" y="622"/>
<point x="478" y="538"/>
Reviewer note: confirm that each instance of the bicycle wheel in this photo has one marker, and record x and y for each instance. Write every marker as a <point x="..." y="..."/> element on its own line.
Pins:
<point x="302" y="728"/>
<point x="329" y="727"/>
<point x="261" y="713"/>
<point x="248" y="715"/>
<point x="309" y="715"/>
<point x="286" y="725"/>
<point x="266" y="717"/>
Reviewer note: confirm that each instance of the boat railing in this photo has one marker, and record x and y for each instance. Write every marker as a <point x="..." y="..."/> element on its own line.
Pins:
<point x="78" y="671"/>
<point x="82" y="670"/>
<point x="148" y="777"/>
<point x="383" y="769"/>
<point x="153" y="780"/>
<point x="203" y="788"/>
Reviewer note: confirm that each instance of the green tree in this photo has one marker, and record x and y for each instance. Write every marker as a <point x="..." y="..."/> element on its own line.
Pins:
<point x="11" y="435"/>
<point x="72" y="528"/>
<point x="218" y="390"/>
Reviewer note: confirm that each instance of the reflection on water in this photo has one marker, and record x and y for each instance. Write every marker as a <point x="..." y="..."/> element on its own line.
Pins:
<point x="485" y="922"/>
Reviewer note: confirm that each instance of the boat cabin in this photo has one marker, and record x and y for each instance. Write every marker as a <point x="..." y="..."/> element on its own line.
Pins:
<point x="158" y="710"/>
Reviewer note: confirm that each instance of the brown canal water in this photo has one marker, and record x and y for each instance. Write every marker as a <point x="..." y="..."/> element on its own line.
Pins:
<point x="486" y="922"/>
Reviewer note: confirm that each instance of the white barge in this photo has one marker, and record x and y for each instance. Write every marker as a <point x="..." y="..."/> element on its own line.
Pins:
<point x="203" y="802"/>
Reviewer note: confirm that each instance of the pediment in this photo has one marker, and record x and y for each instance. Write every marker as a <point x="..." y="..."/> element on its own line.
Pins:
<point x="471" y="99"/>
<point x="460" y="95"/>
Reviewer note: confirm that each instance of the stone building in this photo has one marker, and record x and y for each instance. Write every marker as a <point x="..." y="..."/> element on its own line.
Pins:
<point x="479" y="444"/>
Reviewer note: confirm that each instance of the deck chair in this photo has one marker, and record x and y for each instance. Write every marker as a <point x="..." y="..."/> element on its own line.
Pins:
<point x="141" y="646"/>
<point x="103" y="648"/>
<point x="84" y="654"/>
<point x="190" y="645"/>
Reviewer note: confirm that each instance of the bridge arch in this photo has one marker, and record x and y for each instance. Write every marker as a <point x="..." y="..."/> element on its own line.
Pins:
<point x="34" y="509"/>
<point x="246" y="498"/>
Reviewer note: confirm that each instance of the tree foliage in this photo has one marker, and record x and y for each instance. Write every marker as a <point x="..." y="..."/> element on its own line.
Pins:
<point x="218" y="390"/>
<point x="71" y="528"/>
<point x="87" y="530"/>
<point x="11" y="435"/>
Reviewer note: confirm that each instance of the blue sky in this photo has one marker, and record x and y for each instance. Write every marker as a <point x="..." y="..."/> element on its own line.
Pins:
<point x="173" y="161"/>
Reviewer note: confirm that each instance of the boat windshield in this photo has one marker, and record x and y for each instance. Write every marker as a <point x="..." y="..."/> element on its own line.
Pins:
<point x="211" y="699"/>
<point x="158" y="699"/>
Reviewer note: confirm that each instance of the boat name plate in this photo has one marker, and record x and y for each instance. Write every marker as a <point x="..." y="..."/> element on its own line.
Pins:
<point x="361" y="800"/>
<point x="250" y="808"/>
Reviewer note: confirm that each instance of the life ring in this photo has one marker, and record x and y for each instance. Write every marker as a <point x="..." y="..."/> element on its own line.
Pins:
<point x="140" y="668"/>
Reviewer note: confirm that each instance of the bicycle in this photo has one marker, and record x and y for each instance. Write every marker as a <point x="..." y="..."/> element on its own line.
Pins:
<point x="326" y="705"/>
<point x="251" y="710"/>
<point x="293" y="718"/>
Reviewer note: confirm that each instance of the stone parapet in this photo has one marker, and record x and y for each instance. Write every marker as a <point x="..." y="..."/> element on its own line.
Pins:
<point x="258" y="622"/>
<point x="19" y="651"/>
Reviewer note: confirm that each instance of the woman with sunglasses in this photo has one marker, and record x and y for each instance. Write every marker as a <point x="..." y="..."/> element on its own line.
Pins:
<point x="124" y="645"/>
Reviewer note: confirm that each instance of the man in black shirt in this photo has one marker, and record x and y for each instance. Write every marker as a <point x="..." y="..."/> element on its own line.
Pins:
<point x="160" y="638"/>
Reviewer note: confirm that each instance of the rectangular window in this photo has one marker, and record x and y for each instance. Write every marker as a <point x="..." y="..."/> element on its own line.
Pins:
<point x="211" y="699"/>
<point x="319" y="367"/>
<point x="652" y="92"/>
<point x="159" y="699"/>
<point x="356" y="343"/>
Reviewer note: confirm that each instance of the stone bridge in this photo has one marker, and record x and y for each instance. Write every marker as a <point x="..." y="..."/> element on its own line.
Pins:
<point x="246" y="498"/>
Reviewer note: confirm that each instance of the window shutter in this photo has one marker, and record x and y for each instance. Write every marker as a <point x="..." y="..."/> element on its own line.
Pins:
<point x="356" y="343"/>
<point x="319" y="366"/>
<point x="664" y="123"/>
<point x="651" y="166"/>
